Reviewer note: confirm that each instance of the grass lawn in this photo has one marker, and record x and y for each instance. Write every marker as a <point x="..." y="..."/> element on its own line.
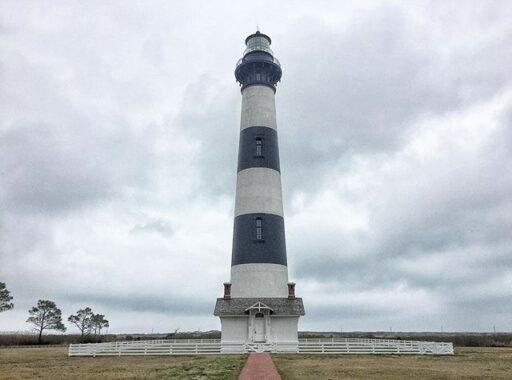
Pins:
<point x="53" y="363"/>
<point x="468" y="363"/>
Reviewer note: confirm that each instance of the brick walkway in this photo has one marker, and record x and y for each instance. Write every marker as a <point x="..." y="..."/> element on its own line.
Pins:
<point x="259" y="367"/>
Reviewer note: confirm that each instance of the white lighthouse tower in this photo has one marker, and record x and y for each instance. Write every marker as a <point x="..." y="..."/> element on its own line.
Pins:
<point x="259" y="307"/>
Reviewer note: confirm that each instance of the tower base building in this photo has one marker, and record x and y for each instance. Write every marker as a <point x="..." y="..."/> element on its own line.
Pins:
<point x="264" y="321"/>
<point x="259" y="306"/>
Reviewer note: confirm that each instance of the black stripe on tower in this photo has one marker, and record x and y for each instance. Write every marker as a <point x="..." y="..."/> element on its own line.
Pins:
<point x="258" y="148"/>
<point x="259" y="238"/>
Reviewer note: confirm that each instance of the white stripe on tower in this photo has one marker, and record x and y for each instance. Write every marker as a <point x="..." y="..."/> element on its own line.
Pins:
<point x="258" y="107"/>
<point x="259" y="281"/>
<point x="258" y="190"/>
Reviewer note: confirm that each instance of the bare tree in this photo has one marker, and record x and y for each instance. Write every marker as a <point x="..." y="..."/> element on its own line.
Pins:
<point x="5" y="298"/>
<point x="99" y="322"/>
<point x="83" y="319"/>
<point x="46" y="316"/>
<point x="172" y="335"/>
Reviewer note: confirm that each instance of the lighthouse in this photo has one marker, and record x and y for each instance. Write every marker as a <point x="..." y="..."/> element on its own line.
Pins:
<point x="259" y="308"/>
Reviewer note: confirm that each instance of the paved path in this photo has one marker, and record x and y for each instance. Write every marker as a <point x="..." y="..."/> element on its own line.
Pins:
<point x="259" y="367"/>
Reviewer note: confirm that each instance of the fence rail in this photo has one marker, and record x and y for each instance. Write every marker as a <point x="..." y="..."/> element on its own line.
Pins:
<point x="305" y="346"/>
<point x="373" y="346"/>
<point x="147" y="347"/>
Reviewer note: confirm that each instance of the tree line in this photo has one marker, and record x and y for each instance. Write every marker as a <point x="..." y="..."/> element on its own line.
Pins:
<point x="47" y="316"/>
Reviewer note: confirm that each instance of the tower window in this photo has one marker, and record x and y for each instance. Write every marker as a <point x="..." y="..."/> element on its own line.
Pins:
<point x="259" y="229"/>
<point x="259" y="144"/>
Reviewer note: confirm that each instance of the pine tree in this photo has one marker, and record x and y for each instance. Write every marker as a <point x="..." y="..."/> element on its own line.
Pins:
<point x="83" y="319"/>
<point x="99" y="322"/>
<point x="46" y="316"/>
<point x="5" y="298"/>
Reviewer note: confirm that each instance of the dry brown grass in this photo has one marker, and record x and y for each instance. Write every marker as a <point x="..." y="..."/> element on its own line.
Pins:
<point x="53" y="363"/>
<point x="468" y="363"/>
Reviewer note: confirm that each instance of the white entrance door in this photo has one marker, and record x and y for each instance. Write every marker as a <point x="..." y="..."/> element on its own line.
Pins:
<point x="259" y="327"/>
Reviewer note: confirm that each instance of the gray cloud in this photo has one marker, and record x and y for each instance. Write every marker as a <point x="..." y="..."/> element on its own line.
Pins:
<point x="160" y="226"/>
<point x="209" y="115"/>
<point x="163" y="305"/>
<point x="44" y="171"/>
<point x="365" y="87"/>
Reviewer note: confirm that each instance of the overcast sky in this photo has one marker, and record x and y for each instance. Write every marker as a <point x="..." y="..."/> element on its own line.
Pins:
<point x="119" y="128"/>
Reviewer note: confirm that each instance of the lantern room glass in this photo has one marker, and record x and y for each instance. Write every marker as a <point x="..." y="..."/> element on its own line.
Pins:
<point x="258" y="43"/>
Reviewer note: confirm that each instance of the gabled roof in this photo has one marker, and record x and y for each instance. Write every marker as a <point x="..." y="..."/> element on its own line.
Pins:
<point x="242" y="306"/>
<point x="259" y="306"/>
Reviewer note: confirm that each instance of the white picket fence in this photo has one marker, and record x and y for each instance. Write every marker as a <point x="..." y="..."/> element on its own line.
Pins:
<point x="305" y="346"/>
<point x="148" y="347"/>
<point x="373" y="346"/>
